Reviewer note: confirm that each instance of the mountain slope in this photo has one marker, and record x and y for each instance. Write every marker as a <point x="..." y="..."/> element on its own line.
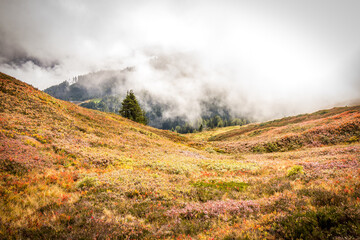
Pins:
<point x="43" y="137"/>
<point x="56" y="121"/>
<point x="67" y="172"/>
<point x="326" y="127"/>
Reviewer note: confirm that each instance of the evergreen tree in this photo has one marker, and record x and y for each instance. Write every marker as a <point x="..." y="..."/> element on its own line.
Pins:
<point x="131" y="109"/>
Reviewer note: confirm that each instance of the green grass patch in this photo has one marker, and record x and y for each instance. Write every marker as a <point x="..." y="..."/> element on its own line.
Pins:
<point x="294" y="171"/>
<point x="224" y="186"/>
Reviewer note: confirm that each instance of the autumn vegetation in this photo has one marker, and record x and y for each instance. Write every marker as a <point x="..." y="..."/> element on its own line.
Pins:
<point x="68" y="172"/>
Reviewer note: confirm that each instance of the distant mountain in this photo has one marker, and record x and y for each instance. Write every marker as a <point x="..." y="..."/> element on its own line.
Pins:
<point x="93" y="85"/>
<point x="104" y="91"/>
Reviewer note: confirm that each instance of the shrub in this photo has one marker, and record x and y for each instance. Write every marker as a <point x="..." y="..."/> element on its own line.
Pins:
<point x="325" y="223"/>
<point x="219" y="150"/>
<point x="295" y="171"/>
<point x="258" y="149"/>
<point x="210" y="150"/>
<point x="322" y="197"/>
<point x="13" y="167"/>
<point x="272" y="147"/>
<point x="274" y="185"/>
<point x="191" y="226"/>
<point x="87" y="182"/>
<point x="284" y="202"/>
<point x="353" y="139"/>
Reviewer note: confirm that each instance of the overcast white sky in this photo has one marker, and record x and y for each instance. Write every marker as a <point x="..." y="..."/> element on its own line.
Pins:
<point x="275" y="57"/>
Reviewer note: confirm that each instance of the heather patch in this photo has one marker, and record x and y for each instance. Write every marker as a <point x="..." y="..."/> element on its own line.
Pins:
<point x="215" y="209"/>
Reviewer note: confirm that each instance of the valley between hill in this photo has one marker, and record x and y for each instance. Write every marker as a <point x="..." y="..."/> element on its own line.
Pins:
<point x="67" y="172"/>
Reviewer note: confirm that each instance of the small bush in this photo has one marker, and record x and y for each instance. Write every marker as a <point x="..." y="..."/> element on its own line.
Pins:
<point x="255" y="133"/>
<point x="132" y="193"/>
<point x="275" y="185"/>
<point x="322" y="197"/>
<point x="13" y="167"/>
<point x="272" y="147"/>
<point x="219" y="150"/>
<point x="258" y="149"/>
<point x="210" y="150"/>
<point x="353" y="139"/>
<point x="191" y="226"/>
<point x="322" y="112"/>
<point x="325" y="223"/>
<point x="87" y="182"/>
<point x="295" y="171"/>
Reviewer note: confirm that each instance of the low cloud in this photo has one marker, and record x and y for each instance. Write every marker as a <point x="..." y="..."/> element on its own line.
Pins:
<point x="259" y="59"/>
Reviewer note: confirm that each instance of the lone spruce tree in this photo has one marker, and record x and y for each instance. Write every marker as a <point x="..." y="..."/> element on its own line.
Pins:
<point x="131" y="109"/>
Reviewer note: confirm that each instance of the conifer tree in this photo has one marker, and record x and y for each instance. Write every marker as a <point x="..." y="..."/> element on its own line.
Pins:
<point x="131" y="109"/>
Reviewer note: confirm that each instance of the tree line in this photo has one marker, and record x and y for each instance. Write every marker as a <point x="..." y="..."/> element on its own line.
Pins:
<point x="130" y="108"/>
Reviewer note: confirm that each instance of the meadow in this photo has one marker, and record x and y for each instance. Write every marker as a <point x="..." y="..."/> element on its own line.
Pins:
<point x="67" y="172"/>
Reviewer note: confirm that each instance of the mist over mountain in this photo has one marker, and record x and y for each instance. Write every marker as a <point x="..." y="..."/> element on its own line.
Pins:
<point x="263" y="60"/>
<point x="92" y="85"/>
<point x="104" y="91"/>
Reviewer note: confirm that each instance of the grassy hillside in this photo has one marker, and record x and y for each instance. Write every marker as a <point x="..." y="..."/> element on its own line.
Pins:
<point x="68" y="172"/>
<point x="326" y="127"/>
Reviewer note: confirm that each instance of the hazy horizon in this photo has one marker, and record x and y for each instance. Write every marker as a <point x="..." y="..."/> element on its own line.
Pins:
<point x="265" y="59"/>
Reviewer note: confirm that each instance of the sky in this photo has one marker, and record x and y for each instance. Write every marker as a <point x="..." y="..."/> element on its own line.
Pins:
<point x="266" y="59"/>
